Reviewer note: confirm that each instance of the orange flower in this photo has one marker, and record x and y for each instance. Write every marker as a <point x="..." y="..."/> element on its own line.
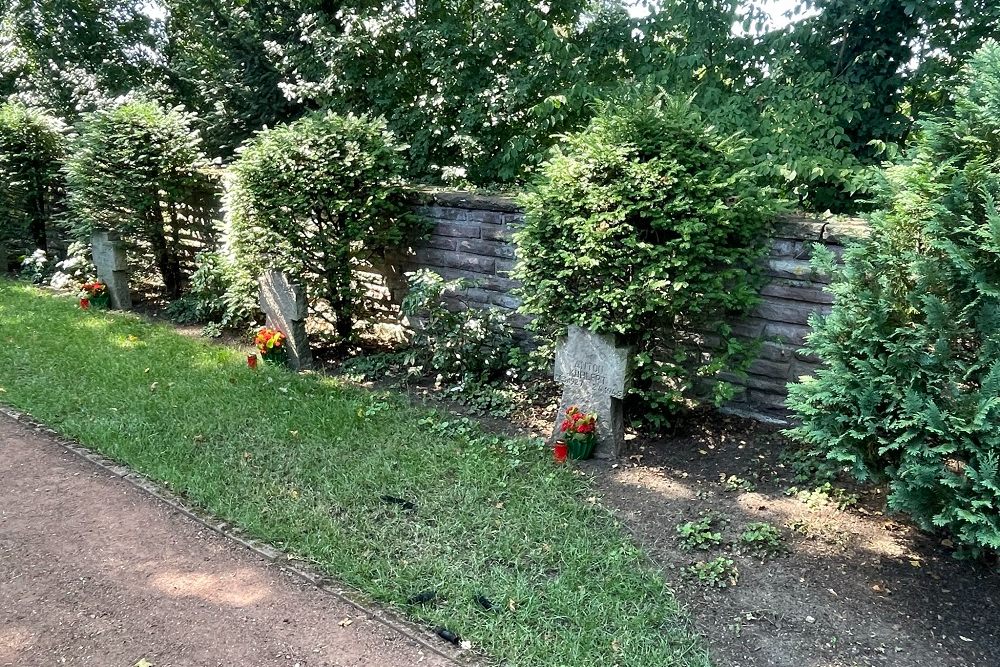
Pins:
<point x="268" y="339"/>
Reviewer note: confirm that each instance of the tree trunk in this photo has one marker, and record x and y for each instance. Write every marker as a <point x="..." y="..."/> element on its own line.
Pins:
<point x="168" y="266"/>
<point x="338" y="285"/>
<point x="175" y="246"/>
<point x="36" y="227"/>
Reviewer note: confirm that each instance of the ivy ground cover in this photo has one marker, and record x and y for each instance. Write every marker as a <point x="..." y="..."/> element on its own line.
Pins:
<point x="307" y="463"/>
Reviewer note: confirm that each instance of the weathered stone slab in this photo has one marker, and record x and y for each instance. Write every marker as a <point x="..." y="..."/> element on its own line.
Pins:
<point x="794" y="269"/>
<point x="766" y="384"/>
<point x="774" y="351"/>
<point x="467" y="230"/>
<point x="468" y="201"/>
<point x="108" y="252"/>
<point x="594" y="373"/>
<point x="502" y="234"/>
<point x="486" y="217"/>
<point x="442" y="213"/>
<point x="480" y="247"/>
<point x="504" y="266"/>
<point x="777" y="370"/>
<point x="441" y="242"/>
<point x="775" y="309"/>
<point x="813" y="295"/>
<point x="285" y="305"/>
<point x="793" y="335"/>
<point x="506" y="301"/>
<point x="456" y="260"/>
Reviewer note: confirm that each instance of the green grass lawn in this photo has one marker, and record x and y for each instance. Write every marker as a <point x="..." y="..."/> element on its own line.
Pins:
<point x="301" y="461"/>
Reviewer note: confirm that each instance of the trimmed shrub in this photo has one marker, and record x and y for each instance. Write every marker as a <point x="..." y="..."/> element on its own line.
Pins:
<point x="910" y="388"/>
<point x="460" y="344"/>
<point x="216" y="295"/>
<point x="647" y="225"/>
<point x="314" y="196"/>
<point x="132" y="170"/>
<point x="32" y="147"/>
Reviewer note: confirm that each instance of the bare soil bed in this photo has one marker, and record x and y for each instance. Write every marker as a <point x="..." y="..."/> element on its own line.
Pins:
<point x="856" y="588"/>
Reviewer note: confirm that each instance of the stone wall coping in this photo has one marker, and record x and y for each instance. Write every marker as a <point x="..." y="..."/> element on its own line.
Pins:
<point x="502" y="202"/>
<point x="830" y="229"/>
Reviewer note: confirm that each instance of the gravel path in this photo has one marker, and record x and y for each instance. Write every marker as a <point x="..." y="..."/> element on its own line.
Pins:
<point x="95" y="572"/>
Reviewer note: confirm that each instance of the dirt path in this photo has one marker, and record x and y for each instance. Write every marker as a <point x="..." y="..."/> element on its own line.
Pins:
<point x="858" y="588"/>
<point x="95" y="572"/>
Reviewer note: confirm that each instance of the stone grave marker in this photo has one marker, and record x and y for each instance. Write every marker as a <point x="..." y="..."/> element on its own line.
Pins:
<point x="594" y="373"/>
<point x="108" y="252"/>
<point x="284" y="303"/>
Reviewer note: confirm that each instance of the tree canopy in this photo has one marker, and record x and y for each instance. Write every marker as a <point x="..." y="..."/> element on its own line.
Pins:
<point x="69" y="55"/>
<point x="479" y="90"/>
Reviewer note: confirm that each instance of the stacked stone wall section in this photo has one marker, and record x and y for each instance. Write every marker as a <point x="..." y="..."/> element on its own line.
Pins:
<point x="471" y="238"/>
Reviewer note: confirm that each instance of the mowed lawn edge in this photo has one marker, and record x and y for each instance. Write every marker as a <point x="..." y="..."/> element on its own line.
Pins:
<point x="306" y="463"/>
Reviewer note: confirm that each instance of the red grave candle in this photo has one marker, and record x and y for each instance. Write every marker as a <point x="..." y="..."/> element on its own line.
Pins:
<point x="252" y="360"/>
<point x="84" y="303"/>
<point x="560" y="451"/>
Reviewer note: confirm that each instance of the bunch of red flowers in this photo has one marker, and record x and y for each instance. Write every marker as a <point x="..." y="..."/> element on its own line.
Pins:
<point x="94" y="289"/>
<point x="578" y="424"/>
<point x="269" y="339"/>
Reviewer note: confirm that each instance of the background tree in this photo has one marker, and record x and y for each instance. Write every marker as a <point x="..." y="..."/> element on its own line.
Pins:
<point x="71" y="55"/>
<point x="911" y="348"/>
<point x="479" y="90"/>
<point x="475" y="89"/>
<point x="221" y="60"/>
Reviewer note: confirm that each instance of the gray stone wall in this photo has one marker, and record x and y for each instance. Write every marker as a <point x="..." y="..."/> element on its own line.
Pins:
<point x="471" y="239"/>
<point x="793" y="293"/>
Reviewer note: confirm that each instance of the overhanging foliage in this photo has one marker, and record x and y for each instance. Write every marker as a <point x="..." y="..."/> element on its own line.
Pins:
<point x="910" y="388"/>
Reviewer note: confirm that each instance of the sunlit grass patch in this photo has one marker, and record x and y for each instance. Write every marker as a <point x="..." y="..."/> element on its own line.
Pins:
<point x="306" y="463"/>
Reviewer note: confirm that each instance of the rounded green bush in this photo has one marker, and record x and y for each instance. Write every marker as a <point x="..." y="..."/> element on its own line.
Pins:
<point x="32" y="146"/>
<point x="132" y="170"/>
<point x="313" y="196"/>
<point x="647" y="225"/>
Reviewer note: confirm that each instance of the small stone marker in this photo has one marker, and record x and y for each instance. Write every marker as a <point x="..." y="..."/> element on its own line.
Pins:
<point x="108" y="252"/>
<point x="284" y="303"/>
<point x="594" y="374"/>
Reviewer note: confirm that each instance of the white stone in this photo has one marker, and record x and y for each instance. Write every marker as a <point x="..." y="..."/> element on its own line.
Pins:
<point x="285" y="305"/>
<point x="594" y="373"/>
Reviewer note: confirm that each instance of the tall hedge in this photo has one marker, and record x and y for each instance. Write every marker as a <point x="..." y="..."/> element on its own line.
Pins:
<point x="910" y="389"/>
<point x="32" y="146"/>
<point x="311" y="196"/>
<point x="132" y="170"/>
<point x="647" y="225"/>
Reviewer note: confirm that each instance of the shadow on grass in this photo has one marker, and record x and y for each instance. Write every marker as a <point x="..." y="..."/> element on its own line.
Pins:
<point x="306" y="464"/>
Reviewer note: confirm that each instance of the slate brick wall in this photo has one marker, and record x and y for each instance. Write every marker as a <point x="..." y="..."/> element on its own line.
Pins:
<point x="471" y="239"/>
<point x="794" y="292"/>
